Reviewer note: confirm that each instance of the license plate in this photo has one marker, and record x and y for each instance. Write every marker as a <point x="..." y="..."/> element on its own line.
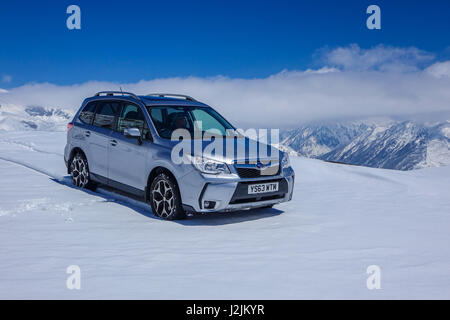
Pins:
<point x="263" y="188"/>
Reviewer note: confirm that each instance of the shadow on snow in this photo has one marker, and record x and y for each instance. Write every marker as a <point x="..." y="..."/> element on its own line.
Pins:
<point x="198" y="219"/>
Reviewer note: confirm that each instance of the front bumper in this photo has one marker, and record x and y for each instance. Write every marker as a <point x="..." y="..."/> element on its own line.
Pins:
<point x="228" y="191"/>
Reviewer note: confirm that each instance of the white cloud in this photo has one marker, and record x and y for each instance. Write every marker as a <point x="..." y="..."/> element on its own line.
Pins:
<point x="439" y="69"/>
<point x="365" y="83"/>
<point x="322" y="70"/>
<point x="381" y="58"/>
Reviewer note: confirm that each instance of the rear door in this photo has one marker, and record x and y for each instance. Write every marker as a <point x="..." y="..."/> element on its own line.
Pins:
<point x="128" y="158"/>
<point x="100" y="136"/>
<point x="82" y="129"/>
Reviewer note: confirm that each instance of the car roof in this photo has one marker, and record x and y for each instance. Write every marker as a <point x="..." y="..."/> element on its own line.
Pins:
<point x="168" y="101"/>
<point x="151" y="100"/>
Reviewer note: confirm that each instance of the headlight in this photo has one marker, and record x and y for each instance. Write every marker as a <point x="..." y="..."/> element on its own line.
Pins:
<point x="210" y="166"/>
<point x="285" y="162"/>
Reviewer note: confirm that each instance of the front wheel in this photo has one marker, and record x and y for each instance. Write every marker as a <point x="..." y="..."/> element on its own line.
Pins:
<point x="165" y="198"/>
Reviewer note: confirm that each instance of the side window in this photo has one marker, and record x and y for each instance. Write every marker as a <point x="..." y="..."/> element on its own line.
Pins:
<point x="157" y="117"/>
<point x="131" y="116"/>
<point x="105" y="115"/>
<point x="87" y="114"/>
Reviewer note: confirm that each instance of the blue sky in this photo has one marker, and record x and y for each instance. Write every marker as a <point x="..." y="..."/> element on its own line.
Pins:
<point x="126" y="41"/>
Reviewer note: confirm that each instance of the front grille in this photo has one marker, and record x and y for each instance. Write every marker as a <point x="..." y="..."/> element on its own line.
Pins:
<point x="251" y="171"/>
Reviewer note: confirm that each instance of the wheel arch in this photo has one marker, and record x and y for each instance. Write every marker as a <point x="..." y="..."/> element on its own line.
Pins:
<point x="153" y="174"/>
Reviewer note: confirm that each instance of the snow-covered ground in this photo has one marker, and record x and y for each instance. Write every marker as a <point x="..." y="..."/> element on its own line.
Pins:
<point x="342" y="220"/>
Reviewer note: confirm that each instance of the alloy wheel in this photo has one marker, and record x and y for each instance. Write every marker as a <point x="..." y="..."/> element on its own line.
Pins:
<point x="163" y="199"/>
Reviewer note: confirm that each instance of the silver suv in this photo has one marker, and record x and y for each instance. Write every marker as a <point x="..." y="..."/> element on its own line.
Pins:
<point x="126" y="142"/>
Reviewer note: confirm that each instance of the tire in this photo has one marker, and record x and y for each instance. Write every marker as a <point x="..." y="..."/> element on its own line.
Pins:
<point x="79" y="171"/>
<point x="267" y="207"/>
<point x="165" y="198"/>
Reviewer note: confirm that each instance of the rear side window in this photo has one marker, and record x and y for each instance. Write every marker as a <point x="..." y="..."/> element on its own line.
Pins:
<point x="87" y="115"/>
<point x="106" y="115"/>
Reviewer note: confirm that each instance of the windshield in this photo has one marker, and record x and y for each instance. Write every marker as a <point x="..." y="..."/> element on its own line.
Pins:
<point x="167" y="119"/>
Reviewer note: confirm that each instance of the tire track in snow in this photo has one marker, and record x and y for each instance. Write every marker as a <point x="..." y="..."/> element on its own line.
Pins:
<point x="29" y="147"/>
<point x="32" y="167"/>
<point x="109" y="196"/>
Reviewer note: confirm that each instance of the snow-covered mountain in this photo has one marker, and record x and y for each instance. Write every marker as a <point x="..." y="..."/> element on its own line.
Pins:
<point x="314" y="141"/>
<point x="402" y="145"/>
<point x="19" y="118"/>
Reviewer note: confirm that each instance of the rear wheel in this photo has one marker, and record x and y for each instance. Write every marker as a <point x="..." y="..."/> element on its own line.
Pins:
<point x="165" y="198"/>
<point x="79" y="171"/>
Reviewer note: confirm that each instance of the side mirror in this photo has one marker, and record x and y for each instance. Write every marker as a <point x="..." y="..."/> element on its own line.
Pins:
<point x="133" y="133"/>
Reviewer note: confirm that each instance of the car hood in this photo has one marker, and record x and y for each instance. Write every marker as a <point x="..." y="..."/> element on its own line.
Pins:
<point x="229" y="150"/>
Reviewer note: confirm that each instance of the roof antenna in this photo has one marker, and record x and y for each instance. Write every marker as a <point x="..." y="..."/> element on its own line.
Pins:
<point x="121" y="89"/>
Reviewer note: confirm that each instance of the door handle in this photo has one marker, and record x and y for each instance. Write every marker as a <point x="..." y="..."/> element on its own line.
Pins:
<point x="87" y="133"/>
<point x="113" y="142"/>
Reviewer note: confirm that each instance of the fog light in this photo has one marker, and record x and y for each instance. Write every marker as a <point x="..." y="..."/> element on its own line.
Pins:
<point x="209" y="204"/>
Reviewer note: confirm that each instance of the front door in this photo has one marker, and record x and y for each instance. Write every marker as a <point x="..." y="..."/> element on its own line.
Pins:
<point x="128" y="158"/>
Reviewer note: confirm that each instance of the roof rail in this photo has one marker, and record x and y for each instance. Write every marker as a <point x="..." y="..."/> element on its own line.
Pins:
<point x="162" y="95"/>
<point x="112" y="93"/>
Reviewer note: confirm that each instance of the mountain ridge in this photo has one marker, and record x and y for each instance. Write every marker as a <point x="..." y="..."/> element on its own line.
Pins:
<point x="389" y="144"/>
